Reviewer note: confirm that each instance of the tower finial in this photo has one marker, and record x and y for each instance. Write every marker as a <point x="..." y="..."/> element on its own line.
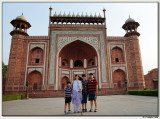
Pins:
<point x="104" y="10"/>
<point x="129" y="15"/>
<point x="50" y="9"/>
<point x="22" y="13"/>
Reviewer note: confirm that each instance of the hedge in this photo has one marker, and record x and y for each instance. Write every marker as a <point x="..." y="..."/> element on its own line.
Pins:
<point x="12" y="97"/>
<point x="143" y="92"/>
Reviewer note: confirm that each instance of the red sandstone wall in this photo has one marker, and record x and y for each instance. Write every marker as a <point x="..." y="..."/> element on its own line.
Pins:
<point x="18" y="57"/>
<point x="151" y="79"/>
<point x="134" y="63"/>
<point x="15" y="82"/>
<point x="16" y="65"/>
<point x="133" y="60"/>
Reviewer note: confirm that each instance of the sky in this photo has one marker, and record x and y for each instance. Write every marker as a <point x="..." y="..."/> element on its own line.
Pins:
<point x="116" y="15"/>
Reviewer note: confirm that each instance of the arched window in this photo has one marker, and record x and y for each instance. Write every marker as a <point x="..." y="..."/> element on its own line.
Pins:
<point x="65" y="62"/>
<point x="64" y="82"/>
<point x="36" y="56"/>
<point x="78" y="63"/>
<point x="116" y="59"/>
<point x="18" y="26"/>
<point x="129" y="28"/>
<point x="117" y="55"/>
<point x="133" y="28"/>
<point x="22" y="27"/>
<point x="91" y="62"/>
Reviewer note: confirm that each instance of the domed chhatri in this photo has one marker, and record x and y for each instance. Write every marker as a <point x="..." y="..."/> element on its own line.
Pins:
<point x="20" y="25"/>
<point x="130" y="27"/>
<point x="21" y="17"/>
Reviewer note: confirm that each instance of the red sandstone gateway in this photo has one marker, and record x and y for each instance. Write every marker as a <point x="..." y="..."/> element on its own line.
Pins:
<point x="76" y="44"/>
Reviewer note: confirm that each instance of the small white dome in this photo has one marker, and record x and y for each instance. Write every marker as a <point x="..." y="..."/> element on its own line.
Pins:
<point x="78" y="15"/>
<point x="73" y="15"/>
<point x="60" y="15"/>
<point x="91" y="15"/>
<point x="21" y="18"/>
<point x="95" y="15"/>
<point x="130" y="20"/>
<point x="99" y="16"/>
<point x="86" y="15"/>
<point x="82" y="15"/>
<point x="64" y="15"/>
<point x="69" y="15"/>
<point x="55" y="15"/>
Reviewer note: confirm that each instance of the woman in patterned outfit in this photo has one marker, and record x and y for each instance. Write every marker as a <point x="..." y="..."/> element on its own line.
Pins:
<point x="77" y="94"/>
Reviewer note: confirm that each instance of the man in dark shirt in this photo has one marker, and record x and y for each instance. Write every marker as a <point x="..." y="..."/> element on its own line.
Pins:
<point x="92" y="90"/>
<point x="84" y="93"/>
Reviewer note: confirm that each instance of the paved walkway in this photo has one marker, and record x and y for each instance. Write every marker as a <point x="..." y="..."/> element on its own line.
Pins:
<point x="107" y="105"/>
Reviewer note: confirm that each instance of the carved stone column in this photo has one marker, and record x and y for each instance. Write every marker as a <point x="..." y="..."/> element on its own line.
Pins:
<point x="85" y="63"/>
<point x="96" y="60"/>
<point x="71" y="63"/>
<point x="59" y="61"/>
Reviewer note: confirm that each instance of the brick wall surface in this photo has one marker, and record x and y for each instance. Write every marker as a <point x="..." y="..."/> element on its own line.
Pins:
<point x="151" y="79"/>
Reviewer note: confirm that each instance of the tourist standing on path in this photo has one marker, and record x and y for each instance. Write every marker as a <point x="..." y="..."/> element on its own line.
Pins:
<point x="67" y="96"/>
<point x="84" y="93"/>
<point x="77" y="94"/>
<point x="92" y="90"/>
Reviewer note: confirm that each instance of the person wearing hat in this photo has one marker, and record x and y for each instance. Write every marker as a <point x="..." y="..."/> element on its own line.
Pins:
<point x="92" y="90"/>
<point x="84" y="93"/>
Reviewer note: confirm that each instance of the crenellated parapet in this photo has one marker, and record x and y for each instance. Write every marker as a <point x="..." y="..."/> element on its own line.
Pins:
<point x="77" y="18"/>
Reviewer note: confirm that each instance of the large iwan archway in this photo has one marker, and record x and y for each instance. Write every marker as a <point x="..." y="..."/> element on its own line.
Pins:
<point x="77" y="57"/>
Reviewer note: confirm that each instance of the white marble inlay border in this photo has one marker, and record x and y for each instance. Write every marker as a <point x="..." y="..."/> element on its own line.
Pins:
<point x="37" y="45"/>
<point x="93" y="71"/>
<point x="63" y="41"/>
<point x="78" y="72"/>
<point x="34" y="69"/>
<point x="114" y="45"/>
<point x="116" y="68"/>
<point x="53" y="53"/>
<point x="65" y="72"/>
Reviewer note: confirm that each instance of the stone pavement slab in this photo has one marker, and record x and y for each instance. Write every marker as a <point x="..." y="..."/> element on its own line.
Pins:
<point x="107" y="105"/>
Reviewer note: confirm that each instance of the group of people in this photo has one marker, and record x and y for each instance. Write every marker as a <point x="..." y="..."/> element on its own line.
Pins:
<point x="78" y="91"/>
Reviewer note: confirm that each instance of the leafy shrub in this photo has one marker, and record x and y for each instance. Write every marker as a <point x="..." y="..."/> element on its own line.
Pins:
<point x="22" y="96"/>
<point x="143" y="92"/>
<point x="12" y="97"/>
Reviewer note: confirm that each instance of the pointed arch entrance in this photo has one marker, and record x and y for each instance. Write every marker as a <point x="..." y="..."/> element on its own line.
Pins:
<point x="119" y="77"/>
<point x="78" y="54"/>
<point x="35" y="80"/>
<point x="64" y="82"/>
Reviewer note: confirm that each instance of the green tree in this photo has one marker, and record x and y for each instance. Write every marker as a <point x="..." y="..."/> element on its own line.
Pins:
<point x="4" y="70"/>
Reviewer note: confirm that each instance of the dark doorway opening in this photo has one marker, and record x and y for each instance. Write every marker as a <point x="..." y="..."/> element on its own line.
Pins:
<point x="78" y="63"/>
<point x="117" y="60"/>
<point x="37" y="60"/>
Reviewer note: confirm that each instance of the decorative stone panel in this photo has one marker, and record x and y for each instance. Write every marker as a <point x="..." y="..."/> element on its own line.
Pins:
<point x="34" y="69"/>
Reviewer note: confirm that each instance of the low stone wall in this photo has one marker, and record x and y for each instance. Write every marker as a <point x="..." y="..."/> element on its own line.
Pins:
<point x="60" y="93"/>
